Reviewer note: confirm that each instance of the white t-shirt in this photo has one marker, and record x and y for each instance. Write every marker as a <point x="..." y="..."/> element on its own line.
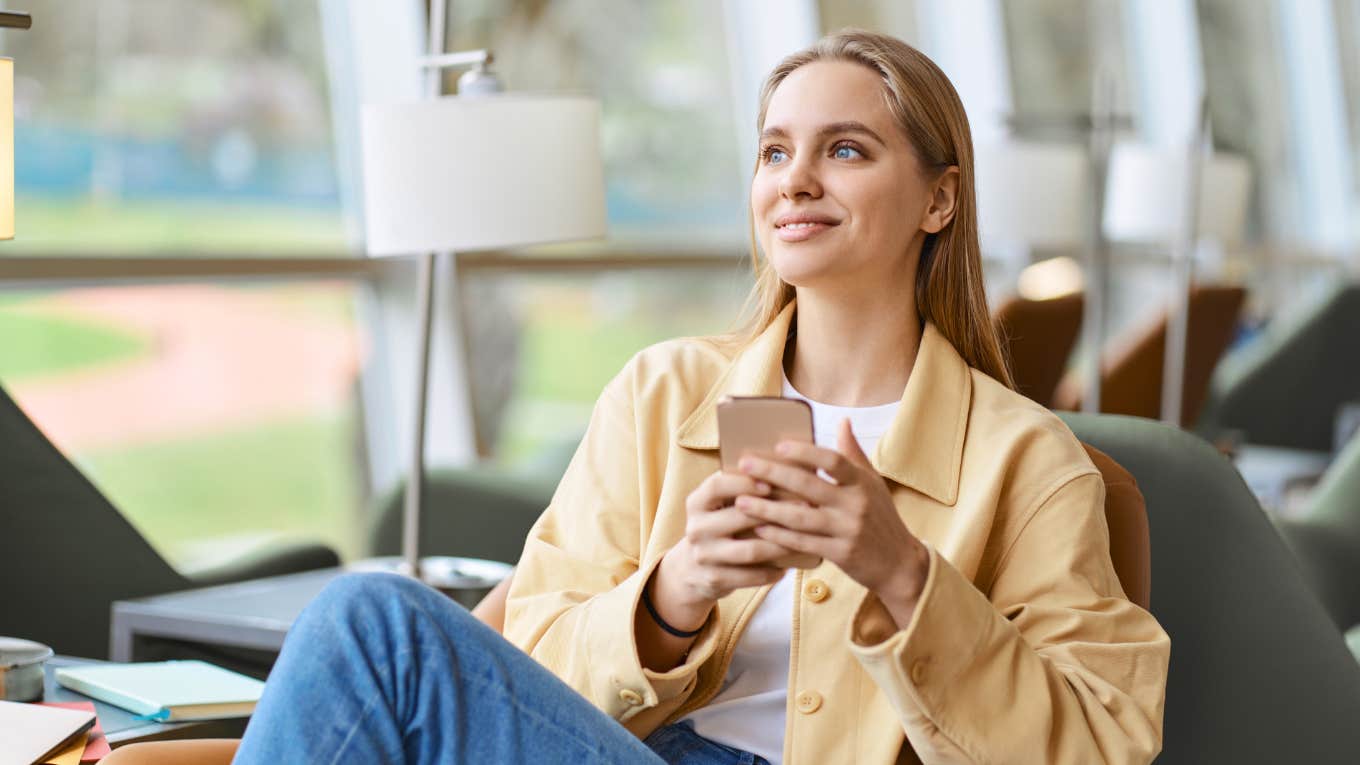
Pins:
<point x="748" y="713"/>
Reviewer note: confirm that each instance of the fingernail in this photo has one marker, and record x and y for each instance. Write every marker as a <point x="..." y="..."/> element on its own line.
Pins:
<point x="743" y="502"/>
<point x="784" y="448"/>
<point x="762" y="487"/>
<point x="746" y="465"/>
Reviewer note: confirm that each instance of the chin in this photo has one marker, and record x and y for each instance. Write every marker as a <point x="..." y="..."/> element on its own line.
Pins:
<point x="804" y="266"/>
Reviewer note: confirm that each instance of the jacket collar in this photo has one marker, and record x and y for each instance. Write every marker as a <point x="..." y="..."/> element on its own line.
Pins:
<point x="923" y="448"/>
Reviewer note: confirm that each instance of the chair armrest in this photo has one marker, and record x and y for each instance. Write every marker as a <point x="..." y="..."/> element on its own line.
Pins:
<point x="269" y="560"/>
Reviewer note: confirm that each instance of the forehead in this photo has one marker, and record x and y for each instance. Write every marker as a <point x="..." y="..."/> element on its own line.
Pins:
<point x="829" y="91"/>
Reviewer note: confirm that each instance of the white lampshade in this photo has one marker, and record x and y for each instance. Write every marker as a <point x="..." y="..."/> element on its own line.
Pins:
<point x="459" y="174"/>
<point x="1032" y="194"/>
<point x="6" y="148"/>
<point x="1145" y="203"/>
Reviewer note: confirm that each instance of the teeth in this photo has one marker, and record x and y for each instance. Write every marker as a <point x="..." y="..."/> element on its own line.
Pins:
<point x="800" y="225"/>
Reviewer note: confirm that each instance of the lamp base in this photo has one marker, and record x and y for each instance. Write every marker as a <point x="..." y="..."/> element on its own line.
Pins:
<point x="465" y="580"/>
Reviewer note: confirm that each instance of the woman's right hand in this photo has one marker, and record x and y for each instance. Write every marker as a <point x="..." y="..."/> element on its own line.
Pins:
<point x="719" y="553"/>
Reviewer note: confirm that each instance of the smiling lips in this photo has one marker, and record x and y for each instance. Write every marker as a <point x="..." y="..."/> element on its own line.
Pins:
<point x="797" y="228"/>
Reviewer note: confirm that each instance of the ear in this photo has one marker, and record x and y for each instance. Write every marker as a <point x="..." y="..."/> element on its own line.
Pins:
<point x="944" y="198"/>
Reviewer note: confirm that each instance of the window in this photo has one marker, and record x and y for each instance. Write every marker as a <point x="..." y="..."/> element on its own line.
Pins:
<point x="172" y="127"/>
<point x="660" y="71"/>
<point x="214" y="417"/>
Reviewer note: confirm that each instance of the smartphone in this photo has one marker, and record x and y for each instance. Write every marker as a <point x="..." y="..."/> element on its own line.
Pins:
<point x="754" y="425"/>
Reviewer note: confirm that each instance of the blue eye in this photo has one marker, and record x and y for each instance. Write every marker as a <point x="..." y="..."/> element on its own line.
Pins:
<point x="775" y="156"/>
<point x="846" y="152"/>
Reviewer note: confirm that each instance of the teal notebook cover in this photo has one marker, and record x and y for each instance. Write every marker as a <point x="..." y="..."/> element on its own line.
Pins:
<point x="165" y="690"/>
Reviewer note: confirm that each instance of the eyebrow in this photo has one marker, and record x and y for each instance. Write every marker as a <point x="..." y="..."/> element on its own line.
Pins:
<point x="849" y="126"/>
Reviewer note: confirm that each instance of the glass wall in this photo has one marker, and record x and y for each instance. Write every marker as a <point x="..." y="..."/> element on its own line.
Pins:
<point x="214" y="417"/>
<point x="172" y="127"/>
<point x="660" y="70"/>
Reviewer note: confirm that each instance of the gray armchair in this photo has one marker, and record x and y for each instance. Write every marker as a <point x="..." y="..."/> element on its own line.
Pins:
<point x="1259" y="673"/>
<point x="1285" y="387"/>
<point x="66" y="553"/>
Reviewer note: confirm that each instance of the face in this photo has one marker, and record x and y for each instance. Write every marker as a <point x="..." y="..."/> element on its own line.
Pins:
<point x="839" y="198"/>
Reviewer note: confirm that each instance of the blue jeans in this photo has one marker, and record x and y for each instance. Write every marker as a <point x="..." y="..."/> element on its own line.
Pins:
<point x="382" y="669"/>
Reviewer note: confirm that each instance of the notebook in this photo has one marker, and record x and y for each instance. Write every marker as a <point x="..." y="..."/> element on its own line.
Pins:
<point x="97" y="745"/>
<point x="167" y="690"/>
<point x="30" y="732"/>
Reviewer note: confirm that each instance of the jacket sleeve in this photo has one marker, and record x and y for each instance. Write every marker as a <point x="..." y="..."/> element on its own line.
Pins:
<point x="1053" y="664"/>
<point x="577" y="586"/>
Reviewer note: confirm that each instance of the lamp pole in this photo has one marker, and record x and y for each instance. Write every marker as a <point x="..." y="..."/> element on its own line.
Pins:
<point x="15" y="20"/>
<point x="483" y="82"/>
<point x="1183" y="272"/>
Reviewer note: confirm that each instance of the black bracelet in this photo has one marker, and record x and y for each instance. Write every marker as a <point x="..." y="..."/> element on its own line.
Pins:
<point x="651" y="609"/>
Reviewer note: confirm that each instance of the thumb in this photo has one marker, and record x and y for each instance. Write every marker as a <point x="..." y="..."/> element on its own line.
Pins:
<point x="849" y="445"/>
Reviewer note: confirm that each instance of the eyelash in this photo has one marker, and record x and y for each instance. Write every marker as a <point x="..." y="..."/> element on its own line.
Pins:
<point x="768" y="150"/>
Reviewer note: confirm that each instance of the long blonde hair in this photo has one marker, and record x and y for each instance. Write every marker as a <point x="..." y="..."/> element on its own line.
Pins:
<point x="949" y="286"/>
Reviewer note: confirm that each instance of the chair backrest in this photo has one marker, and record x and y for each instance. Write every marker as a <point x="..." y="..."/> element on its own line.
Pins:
<point x="470" y="513"/>
<point x="1038" y="336"/>
<point x="1258" y="671"/>
<point x="1126" y="518"/>
<point x="65" y="553"/>
<point x="1131" y="376"/>
<point x="1285" y="387"/>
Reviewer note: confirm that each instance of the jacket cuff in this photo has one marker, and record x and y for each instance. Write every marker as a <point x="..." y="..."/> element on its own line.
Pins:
<point x="623" y="686"/>
<point x="922" y="660"/>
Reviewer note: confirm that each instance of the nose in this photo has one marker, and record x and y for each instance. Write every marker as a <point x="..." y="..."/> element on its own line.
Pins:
<point x="800" y="178"/>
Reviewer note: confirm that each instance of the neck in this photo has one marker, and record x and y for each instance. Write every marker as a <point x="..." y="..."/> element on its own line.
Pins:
<point x="853" y="350"/>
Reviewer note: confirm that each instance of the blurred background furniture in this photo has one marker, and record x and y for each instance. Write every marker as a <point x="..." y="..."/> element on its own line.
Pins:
<point x="1037" y="337"/>
<point x="1285" y="387"/>
<point x="469" y="513"/>
<point x="66" y="553"/>
<point x="1131" y="369"/>
<point x="1326" y="539"/>
<point x="1259" y="673"/>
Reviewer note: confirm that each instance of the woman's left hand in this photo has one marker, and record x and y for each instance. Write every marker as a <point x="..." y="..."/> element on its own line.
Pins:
<point x="852" y="523"/>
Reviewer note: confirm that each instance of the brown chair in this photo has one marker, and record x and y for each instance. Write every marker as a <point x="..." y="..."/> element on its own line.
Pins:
<point x="1037" y="337"/>
<point x="1131" y="371"/>
<point x="1125" y="514"/>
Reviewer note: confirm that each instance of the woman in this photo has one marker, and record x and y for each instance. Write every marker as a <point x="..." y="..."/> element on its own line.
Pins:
<point x="956" y="601"/>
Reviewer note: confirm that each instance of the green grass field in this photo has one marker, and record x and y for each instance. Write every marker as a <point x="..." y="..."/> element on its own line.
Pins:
<point x="33" y="344"/>
<point x="172" y="228"/>
<point x="293" y="478"/>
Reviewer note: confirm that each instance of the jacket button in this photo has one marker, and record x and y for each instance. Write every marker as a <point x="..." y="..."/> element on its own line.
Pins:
<point x="808" y="702"/>
<point x="630" y="697"/>
<point x="918" y="672"/>
<point x="816" y="591"/>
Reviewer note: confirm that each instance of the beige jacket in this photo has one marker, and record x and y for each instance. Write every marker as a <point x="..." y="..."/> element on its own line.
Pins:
<point x="1023" y="647"/>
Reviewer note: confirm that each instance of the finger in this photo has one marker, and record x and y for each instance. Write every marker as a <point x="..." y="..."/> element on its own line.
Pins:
<point x="849" y="446"/>
<point x="796" y="479"/>
<point x="814" y="544"/>
<point x="811" y="520"/>
<point x="724" y="523"/>
<point x="816" y="457"/>
<point x="739" y="552"/>
<point x="728" y="578"/>
<point x="719" y="489"/>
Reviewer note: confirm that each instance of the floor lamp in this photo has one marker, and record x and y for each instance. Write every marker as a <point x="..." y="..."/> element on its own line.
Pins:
<point x="483" y="170"/>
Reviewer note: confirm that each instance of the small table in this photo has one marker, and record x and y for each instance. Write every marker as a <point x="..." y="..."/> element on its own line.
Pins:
<point x="257" y="613"/>
<point x="121" y="726"/>
<point x="252" y="614"/>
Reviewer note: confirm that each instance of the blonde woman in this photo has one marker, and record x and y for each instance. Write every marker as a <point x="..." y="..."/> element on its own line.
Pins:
<point x="955" y="600"/>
